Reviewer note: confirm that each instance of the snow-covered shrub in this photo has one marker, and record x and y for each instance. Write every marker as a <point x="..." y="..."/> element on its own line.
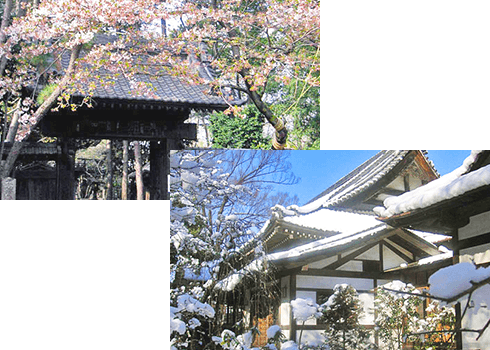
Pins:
<point x="397" y="314"/>
<point x="439" y="318"/>
<point x="341" y="314"/>
<point x="186" y="319"/>
<point x="303" y="310"/>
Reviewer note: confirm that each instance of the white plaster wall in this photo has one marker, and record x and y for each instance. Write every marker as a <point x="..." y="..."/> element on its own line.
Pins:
<point x="390" y="259"/>
<point x="400" y="248"/>
<point x="348" y="252"/>
<point x="476" y="318"/>
<point x="284" y="314"/>
<point x="478" y="224"/>
<point x="414" y="182"/>
<point x="371" y="254"/>
<point x="397" y="184"/>
<point x="475" y="250"/>
<point x="322" y="263"/>
<point x="330" y="282"/>
<point x="285" y="308"/>
<point x="351" y="266"/>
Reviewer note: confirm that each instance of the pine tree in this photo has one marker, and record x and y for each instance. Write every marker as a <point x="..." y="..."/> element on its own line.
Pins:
<point x="341" y="314"/>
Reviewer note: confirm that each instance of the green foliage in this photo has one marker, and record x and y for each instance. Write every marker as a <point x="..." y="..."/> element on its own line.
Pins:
<point x="341" y="314"/>
<point x="44" y="93"/>
<point x="439" y="319"/>
<point x="235" y="132"/>
<point x="301" y="102"/>
<point x="397" y="315"/>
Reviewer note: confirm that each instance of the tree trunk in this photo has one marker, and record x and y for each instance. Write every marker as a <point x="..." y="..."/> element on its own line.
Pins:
<point x="14" y="124"/>
<point x="281" y="134"/>
<point x="110" y="173"/>
<point x="138" y="167"/>
<point x="124" y="182"/>
<point x="7" y="11"/>
<point x="41" y="112"/>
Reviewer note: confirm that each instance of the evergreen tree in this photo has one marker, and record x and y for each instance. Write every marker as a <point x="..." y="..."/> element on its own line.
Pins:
<point x="397" y="314"/>
<point x="341" y="314"/>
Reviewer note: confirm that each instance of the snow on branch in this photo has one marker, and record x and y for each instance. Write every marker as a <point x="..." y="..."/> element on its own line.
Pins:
<point x="451" y="285"/>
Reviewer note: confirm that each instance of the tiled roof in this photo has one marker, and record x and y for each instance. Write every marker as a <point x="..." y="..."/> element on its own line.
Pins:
<point x="448" y="187"/>
<point x="168" y="89"/>
<point x="360" y="178"/>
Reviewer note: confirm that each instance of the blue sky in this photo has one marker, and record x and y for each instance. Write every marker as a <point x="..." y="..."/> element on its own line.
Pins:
<point x="320" y="169"/>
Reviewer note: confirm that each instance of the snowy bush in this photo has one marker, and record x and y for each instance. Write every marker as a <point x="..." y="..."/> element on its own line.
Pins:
<point x="397" y="314"/>
<point x="303" y="310"/>
<point x="341" y="314"/>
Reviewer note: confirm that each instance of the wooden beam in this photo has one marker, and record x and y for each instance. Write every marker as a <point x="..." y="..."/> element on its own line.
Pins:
<point x="418" y="242"/>
<point x="335" y="265"/>
<point x="398" y="252"/>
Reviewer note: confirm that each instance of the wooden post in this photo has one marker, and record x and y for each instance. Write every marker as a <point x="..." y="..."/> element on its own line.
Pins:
<point x="138" y="167"/>
<point x="66" y="171"/>
<point x="110" y="173"/>
<point x="124" y="183"/>
<point x="159" y="165"/>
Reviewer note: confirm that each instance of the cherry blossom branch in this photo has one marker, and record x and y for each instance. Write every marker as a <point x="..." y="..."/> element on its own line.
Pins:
<point x="41" y="112"/>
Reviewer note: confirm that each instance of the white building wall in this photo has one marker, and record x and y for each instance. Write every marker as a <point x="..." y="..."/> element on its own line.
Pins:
<point x="330" y="282"/>
<point x="371" y="254"/>
<point x="322" y="263"/>
<point x="351" y="266"/>
<point x="478" y="225"/>
<point x="285" y="308"/>
<point x="476" y="318"/>
<point x="390" y="259"/>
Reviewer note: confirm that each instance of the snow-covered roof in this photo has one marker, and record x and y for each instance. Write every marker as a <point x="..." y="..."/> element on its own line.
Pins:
<point x="446" y="187"/>
<point x="445" y="255"/>
<point x="333" y="243"/>
<point x="431" y="237"/>
<point x="333" y="220"/>
<point x="365" y="177"/>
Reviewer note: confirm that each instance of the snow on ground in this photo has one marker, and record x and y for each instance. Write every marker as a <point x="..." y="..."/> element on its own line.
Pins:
<point x="448" y="186"/>
<point x="451" y="281"/>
